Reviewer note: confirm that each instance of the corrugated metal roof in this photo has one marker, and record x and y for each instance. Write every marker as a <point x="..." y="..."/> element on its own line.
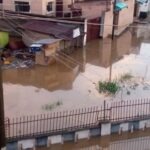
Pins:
<point x="50" y="28"/>
<point x="46" y="41"/>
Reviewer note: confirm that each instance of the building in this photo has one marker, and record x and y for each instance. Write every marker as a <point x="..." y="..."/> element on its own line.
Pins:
<point x="40" y="7"/>
<point x="58" y="8"/>
<point x="96" y="15"/>
<point x="142" y="8"/>
<point x="1" y="1"/>
<point x="70" y="35"/>
<point x="103" y="14"/>
<point x="124" y="16"/>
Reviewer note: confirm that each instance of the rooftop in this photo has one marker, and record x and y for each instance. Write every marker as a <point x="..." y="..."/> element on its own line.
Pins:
<point x="57" y="30"/>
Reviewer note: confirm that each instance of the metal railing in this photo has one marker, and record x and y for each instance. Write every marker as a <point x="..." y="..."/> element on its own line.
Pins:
<point x="58" y="122"/>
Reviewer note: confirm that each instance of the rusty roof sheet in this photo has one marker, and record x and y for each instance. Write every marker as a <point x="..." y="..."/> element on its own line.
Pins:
<point x="51" y="28"/>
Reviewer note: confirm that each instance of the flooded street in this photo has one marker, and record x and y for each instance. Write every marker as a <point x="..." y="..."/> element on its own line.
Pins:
<point x="127" y="141"/>
<point x="72" y="81"/>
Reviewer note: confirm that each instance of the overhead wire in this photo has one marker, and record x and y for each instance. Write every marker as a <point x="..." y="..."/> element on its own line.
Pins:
<point x="63" y="62"/>
<point x="21" y="33"/>
<point x="76" y="22"/>
<point x="69" y="57"/>
<point x="74" y="61"/>
<point x="16" y="14"/>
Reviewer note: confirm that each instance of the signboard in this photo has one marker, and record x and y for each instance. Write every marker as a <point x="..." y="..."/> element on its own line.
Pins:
<point x="76" y="32"/>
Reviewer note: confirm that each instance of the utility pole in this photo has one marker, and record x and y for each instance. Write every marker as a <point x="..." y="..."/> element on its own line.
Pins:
<point x="2" y="123"/>
<point x="114" y="18"/>
<point x="2" y="116"/>
<point x="112" y="38"/>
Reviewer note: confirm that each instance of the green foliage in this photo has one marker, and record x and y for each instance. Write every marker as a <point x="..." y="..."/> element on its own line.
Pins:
<point x="108" y="87"/>
<point x="4" y="39"/>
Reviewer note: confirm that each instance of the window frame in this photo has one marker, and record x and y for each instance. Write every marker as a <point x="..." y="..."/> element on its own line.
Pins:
<point x="20" y="8"/>
<point x="49" y="6"/>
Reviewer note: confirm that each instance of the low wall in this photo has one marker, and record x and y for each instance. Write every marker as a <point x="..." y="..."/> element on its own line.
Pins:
<point x="103" y="129"/>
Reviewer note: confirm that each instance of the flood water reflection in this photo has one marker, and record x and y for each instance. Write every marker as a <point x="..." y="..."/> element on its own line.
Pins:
<point x="72" y="79"/>
<point x="126" y="141"/>
<point x="101" y="53"/>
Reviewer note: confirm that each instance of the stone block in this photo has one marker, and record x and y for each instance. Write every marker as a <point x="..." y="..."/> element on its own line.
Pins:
<point x="85" y="134"/>
<point x="105" y="129"/>
<point x="55" y="139"/>
<point x="124" y="127"/>
<point x="144" y="124"/>
<point x="26" y="144"/>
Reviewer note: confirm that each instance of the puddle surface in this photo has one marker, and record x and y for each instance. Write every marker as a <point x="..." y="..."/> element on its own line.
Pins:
<point x="72" y="80"/>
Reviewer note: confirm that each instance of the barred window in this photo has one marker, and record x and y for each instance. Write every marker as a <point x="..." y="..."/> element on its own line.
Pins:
<point x="50" y="6"/>
<point x="22" y="6"/>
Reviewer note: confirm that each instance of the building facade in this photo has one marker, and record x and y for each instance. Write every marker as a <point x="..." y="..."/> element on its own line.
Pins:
<point x="40" y="7"/>
<point x="92" y="12"/>
<point x="123" y="18"/>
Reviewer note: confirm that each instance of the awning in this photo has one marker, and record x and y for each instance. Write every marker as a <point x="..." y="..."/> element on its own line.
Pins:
<point x="120" y="5"/>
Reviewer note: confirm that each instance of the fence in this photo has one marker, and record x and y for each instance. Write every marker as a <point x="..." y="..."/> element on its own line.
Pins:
<point x="31" y="126"/>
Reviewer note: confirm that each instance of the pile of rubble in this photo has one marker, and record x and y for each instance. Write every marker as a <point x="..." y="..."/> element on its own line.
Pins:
<point x="17" y="59"/>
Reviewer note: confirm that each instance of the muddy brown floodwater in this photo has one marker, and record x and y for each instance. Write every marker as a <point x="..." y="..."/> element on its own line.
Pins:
<point x="127" y="141"/>
<point x="72" y="81"/>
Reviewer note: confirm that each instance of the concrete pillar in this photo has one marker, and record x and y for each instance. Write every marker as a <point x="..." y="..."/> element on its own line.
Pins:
<point x="26" y="144"/>
<point x="124" y="127"/>
<point x="85" y="134"/>
<point x="144" y="124"/>
<point x="55" y="139"/>
<point x="105" y="129"/>
<point x="132" y="129"/>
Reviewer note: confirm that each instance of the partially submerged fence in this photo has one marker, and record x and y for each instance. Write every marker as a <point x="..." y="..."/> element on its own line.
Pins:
<point x="58" y="122"/>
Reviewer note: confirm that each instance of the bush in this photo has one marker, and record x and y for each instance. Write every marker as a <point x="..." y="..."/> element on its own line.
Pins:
<point x="108" y="87"/>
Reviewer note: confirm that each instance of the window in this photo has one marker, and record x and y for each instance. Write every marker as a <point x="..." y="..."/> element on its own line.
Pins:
<point x="50" y="6"/>
<point x="22" y="6"/>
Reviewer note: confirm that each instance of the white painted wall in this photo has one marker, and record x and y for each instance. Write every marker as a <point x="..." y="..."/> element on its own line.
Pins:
<point x="144" y="7"/>
<point x="108" y="21"/>
<point x="66" y="9"/>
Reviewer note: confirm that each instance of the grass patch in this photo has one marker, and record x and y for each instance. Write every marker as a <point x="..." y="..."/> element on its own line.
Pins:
<point x="51" y="106"/>
<point x="125" y="77"/>
<point x="108" y="87"/>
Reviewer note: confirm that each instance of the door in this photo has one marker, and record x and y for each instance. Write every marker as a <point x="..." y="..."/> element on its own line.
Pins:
<point x="93" y="30"/>
<point x="59" y="8"/>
